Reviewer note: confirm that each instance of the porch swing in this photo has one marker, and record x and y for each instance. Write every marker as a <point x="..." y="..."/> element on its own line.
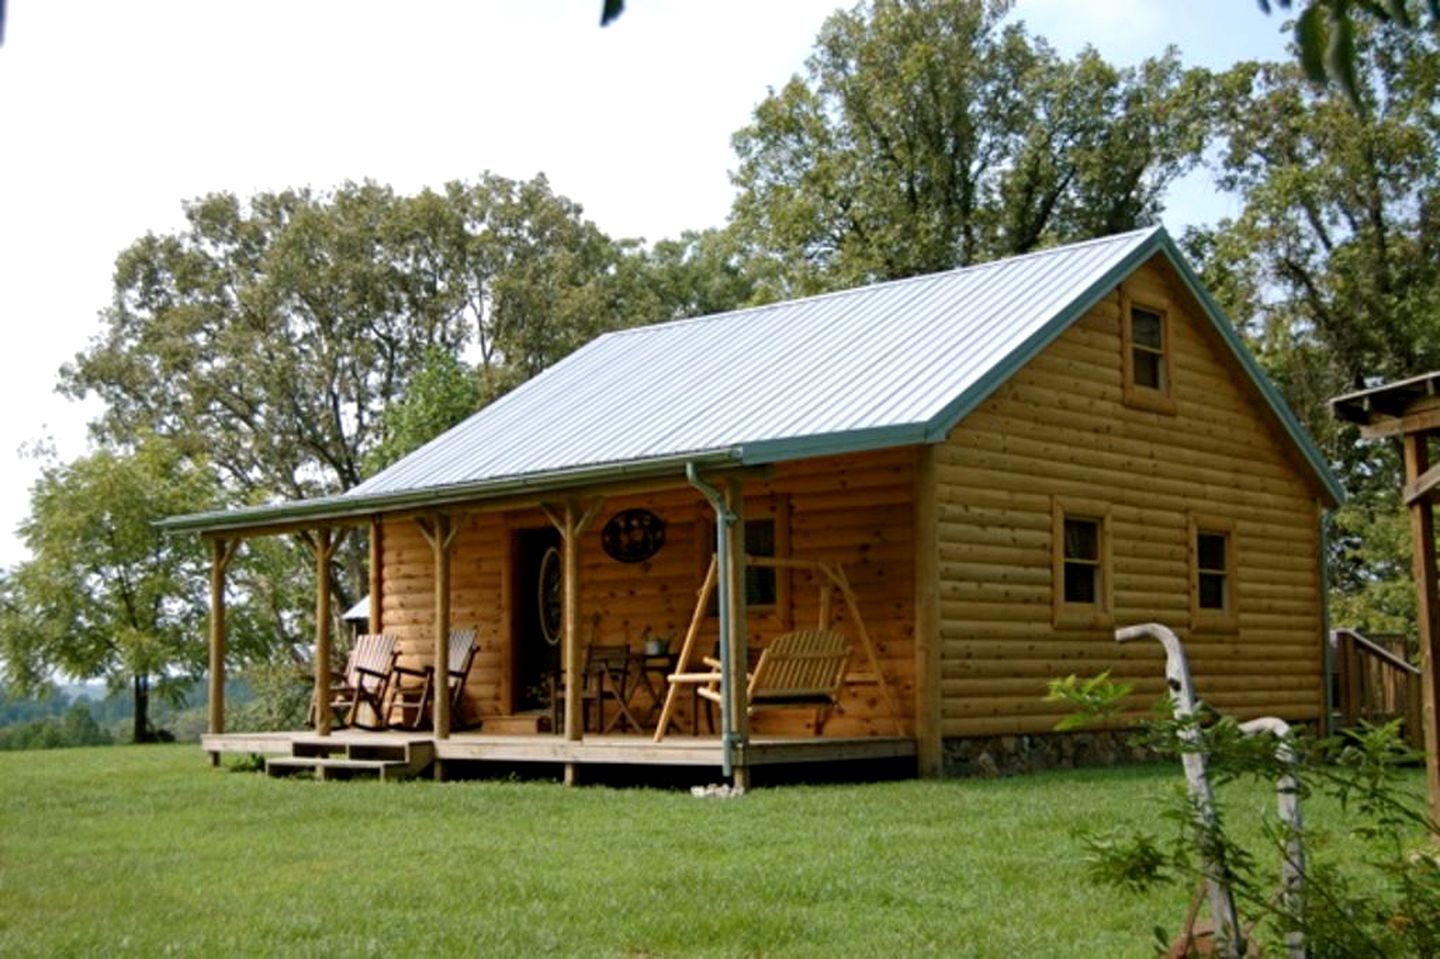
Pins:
<point x="807" y="668"/>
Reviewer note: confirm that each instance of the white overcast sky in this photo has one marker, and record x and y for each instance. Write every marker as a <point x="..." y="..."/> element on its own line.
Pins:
<point x="112" y="113"/>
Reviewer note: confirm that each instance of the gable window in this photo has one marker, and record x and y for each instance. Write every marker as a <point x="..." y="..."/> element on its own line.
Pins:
<point x="1212" y="572"/>
<point x="1081" y="547"/>
<point x="1148" y="355"/>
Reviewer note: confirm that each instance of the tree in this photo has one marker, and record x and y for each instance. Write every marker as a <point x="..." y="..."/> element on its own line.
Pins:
<point x="105" y="594"/>
<point x="441" y="394"/>
<point x="1325" y="34"/>
<point x="1332" y="269"/>
<point x="924" y="136"/>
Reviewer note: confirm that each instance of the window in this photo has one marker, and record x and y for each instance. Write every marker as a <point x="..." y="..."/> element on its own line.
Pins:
<point x="1212" y="573"/>
<point x="1081" y="547"/>
<point x="767" y="533"/>
<point x="1148" y="366"/>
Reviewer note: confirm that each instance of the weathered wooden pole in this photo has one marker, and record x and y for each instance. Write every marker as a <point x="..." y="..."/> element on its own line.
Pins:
<point x="443" y="534"/>
<point x="221" y="550"/>
<point x="1287" y="808"/>
<point x="1229" y="937"/>
<point x="1427" y="611"/>
<point x="737" y="643"/>
<point x="324" y="547"/>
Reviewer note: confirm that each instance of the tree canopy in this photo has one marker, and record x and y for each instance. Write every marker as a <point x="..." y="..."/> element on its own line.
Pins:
<point x="925" y="136"/>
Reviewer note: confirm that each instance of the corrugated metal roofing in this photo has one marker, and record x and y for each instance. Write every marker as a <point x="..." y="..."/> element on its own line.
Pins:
<point x="883" y="365"/>
<point x="881" y="362"/>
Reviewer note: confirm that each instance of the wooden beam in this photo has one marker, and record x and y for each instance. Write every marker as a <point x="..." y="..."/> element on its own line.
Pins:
<point x="1422" y="485"/>
<point x="738" y="641"/>
<point x="221" y="552"/>
<point x="571" y="652"/>
<point x="1417" y="422"/>
<point x="1427" y="609"/>
<point x="323" y="551"/>
<point x="377" y="577"/>
<point x="928" y="742"/>
<point x="442" y="537"/>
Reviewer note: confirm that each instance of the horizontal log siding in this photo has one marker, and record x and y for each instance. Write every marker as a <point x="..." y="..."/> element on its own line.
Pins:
<point x="853" y="510"/>
<point x="1059" y="428"/>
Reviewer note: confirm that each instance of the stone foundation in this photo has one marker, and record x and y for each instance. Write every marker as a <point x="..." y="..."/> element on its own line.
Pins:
<point x="1007" y="755"/>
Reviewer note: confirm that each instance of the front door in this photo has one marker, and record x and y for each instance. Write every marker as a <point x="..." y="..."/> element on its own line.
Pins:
<point x="537" y="607"/>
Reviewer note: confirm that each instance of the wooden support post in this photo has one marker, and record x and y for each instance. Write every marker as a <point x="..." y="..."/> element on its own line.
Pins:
<point x="377" y="579"/>
<point x="221" y="551"/>
<point x="324" y="548"/>
<point x="439" y="530"/>
<point x="738" y="641"/>
<point x="929" y="745"/>
<point x="572" y="523"/>
<point x="1427" y="610"/>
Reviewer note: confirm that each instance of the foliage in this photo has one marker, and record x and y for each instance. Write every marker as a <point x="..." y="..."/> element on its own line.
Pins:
<point x="1332" y="269"/>
<point x="1325" y="34"/>
<point x="1385" y="901"/>
<point x="105" y="594"/>
<point x="442" y="393"/>
<point x="75" y="727"/>
<point x="1093" y="699"/>
<point x="926" y="136"/>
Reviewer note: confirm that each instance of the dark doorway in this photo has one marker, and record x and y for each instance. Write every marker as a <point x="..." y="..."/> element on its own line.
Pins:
<point x="536" y="606"/>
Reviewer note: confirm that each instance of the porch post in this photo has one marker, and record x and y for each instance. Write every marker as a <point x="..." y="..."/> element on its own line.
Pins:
<point x="440" y="531"/>
<point x="1427" y="608"/>
<point x="928" y="738"/>
<point x="221" y="550"/>
<point x="377" y="581"/>
<point x="572" y="523"/>
<point x="738" y="640"/>
<point x="323" y="549"/>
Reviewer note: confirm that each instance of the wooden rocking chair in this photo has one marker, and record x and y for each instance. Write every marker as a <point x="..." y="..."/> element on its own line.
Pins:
<point x="414" y="700"/>
<point x="365" y="682"/>
<point x="804" y="669"/>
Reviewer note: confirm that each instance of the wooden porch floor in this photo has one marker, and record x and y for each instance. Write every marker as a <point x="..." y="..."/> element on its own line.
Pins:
<point x="637" y="750"/>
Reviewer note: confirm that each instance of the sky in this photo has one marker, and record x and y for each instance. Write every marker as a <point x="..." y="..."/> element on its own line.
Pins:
<point x="114" y="113"/>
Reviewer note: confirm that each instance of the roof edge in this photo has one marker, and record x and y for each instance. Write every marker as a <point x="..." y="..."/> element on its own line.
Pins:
<point x="1158" y="241"/>
<point x="349" y="506"/>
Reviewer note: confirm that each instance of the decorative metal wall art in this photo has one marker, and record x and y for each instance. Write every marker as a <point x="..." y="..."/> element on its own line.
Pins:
<point x="633" y="535"/>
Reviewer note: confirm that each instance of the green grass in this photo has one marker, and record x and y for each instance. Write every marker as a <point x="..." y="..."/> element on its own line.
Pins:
<point x="147" y="851"/>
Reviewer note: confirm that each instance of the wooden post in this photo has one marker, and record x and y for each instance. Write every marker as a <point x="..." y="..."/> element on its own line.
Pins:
<point x="738" y="644"/>
<point x="324" y="546"/>
<point x="572" y="523"/>
<point x="221" y="551"/>
<point x="929" y="745"/>
<point x="1427" y="610"/>
<point x="377" y="579"/>
<point x="439" y="530"/>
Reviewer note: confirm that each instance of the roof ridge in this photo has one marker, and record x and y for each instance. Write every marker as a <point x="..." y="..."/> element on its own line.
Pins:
<point x="888" y="284"/>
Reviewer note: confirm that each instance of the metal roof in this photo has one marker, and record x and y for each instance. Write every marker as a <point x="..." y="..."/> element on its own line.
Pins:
<point x="890" y="364"/>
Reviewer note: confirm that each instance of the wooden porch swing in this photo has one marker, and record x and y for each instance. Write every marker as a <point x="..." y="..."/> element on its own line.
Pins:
<point x="806" y="668"/>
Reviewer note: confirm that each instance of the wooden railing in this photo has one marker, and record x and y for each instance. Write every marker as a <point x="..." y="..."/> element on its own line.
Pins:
<point x="1375" y="685"/>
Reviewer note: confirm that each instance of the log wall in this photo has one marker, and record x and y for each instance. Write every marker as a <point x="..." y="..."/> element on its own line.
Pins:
<point x="852" y="510"/>
<point x="1059" y="428"/>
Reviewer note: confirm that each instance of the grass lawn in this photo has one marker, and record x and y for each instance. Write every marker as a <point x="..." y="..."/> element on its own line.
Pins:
<point x="147" y="851"/>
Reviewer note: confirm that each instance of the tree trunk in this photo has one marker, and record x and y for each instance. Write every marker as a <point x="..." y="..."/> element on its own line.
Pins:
<point x="141" y="733"/>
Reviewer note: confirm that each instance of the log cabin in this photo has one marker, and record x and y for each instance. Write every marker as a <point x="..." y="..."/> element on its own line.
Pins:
<point x="994" y="467"/>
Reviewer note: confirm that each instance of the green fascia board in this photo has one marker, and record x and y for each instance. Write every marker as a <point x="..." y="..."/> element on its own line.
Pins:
<point x="1158" y="242"/>
<point x="829" y="444"/>
<point x="333" y="508"/>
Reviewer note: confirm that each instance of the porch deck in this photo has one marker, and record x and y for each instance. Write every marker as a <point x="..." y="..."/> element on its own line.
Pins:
<point x="635" y="750"/>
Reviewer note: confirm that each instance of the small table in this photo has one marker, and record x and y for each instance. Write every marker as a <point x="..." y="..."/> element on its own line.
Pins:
<point x="651" y="675"/>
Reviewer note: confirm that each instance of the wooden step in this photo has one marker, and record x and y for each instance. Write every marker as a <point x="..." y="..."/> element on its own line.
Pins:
<point x="388" y="761"/>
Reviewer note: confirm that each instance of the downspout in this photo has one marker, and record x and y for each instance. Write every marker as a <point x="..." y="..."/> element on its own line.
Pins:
<point x="724" y="519"/>
<point x="1327" y="638"/>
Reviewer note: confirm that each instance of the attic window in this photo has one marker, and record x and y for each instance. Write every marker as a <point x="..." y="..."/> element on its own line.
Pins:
<point x="1148" y="355"/>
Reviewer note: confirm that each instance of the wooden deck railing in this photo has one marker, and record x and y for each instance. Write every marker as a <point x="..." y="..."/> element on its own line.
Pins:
<point x="1375" y="685"/>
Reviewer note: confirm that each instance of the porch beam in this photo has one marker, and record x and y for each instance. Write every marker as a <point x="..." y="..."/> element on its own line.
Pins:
<point x="571" y="520"/>
<point x="1422" y="486"/>
<point x="1427" y="610"/>
<point x="221" y="552"/>
<point x="439" y="530"/>
<point x="323" y="545"/>
<point x="738" y="641"/>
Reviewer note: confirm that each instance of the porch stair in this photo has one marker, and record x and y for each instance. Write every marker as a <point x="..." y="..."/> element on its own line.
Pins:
<point x="388" y="762"/>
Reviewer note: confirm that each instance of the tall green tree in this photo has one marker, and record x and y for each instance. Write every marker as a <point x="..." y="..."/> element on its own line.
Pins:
<point x="442" y="393"/>
<point x="105" y="594"/>
<point x="1333" y="266"/>
<point x="926" y="134"/>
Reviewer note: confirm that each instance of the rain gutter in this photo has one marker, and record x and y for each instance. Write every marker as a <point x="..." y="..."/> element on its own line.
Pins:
<point x="724" y="519"/>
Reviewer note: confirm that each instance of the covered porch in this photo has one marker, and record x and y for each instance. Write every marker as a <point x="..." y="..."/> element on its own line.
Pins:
<point x="472" y="563"/>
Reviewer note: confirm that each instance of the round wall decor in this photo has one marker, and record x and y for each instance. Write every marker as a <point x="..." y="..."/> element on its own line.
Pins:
<point x="633" y="535"/>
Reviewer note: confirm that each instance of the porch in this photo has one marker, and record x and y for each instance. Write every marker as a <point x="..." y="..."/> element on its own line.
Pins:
<point x="597" y="750"/>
